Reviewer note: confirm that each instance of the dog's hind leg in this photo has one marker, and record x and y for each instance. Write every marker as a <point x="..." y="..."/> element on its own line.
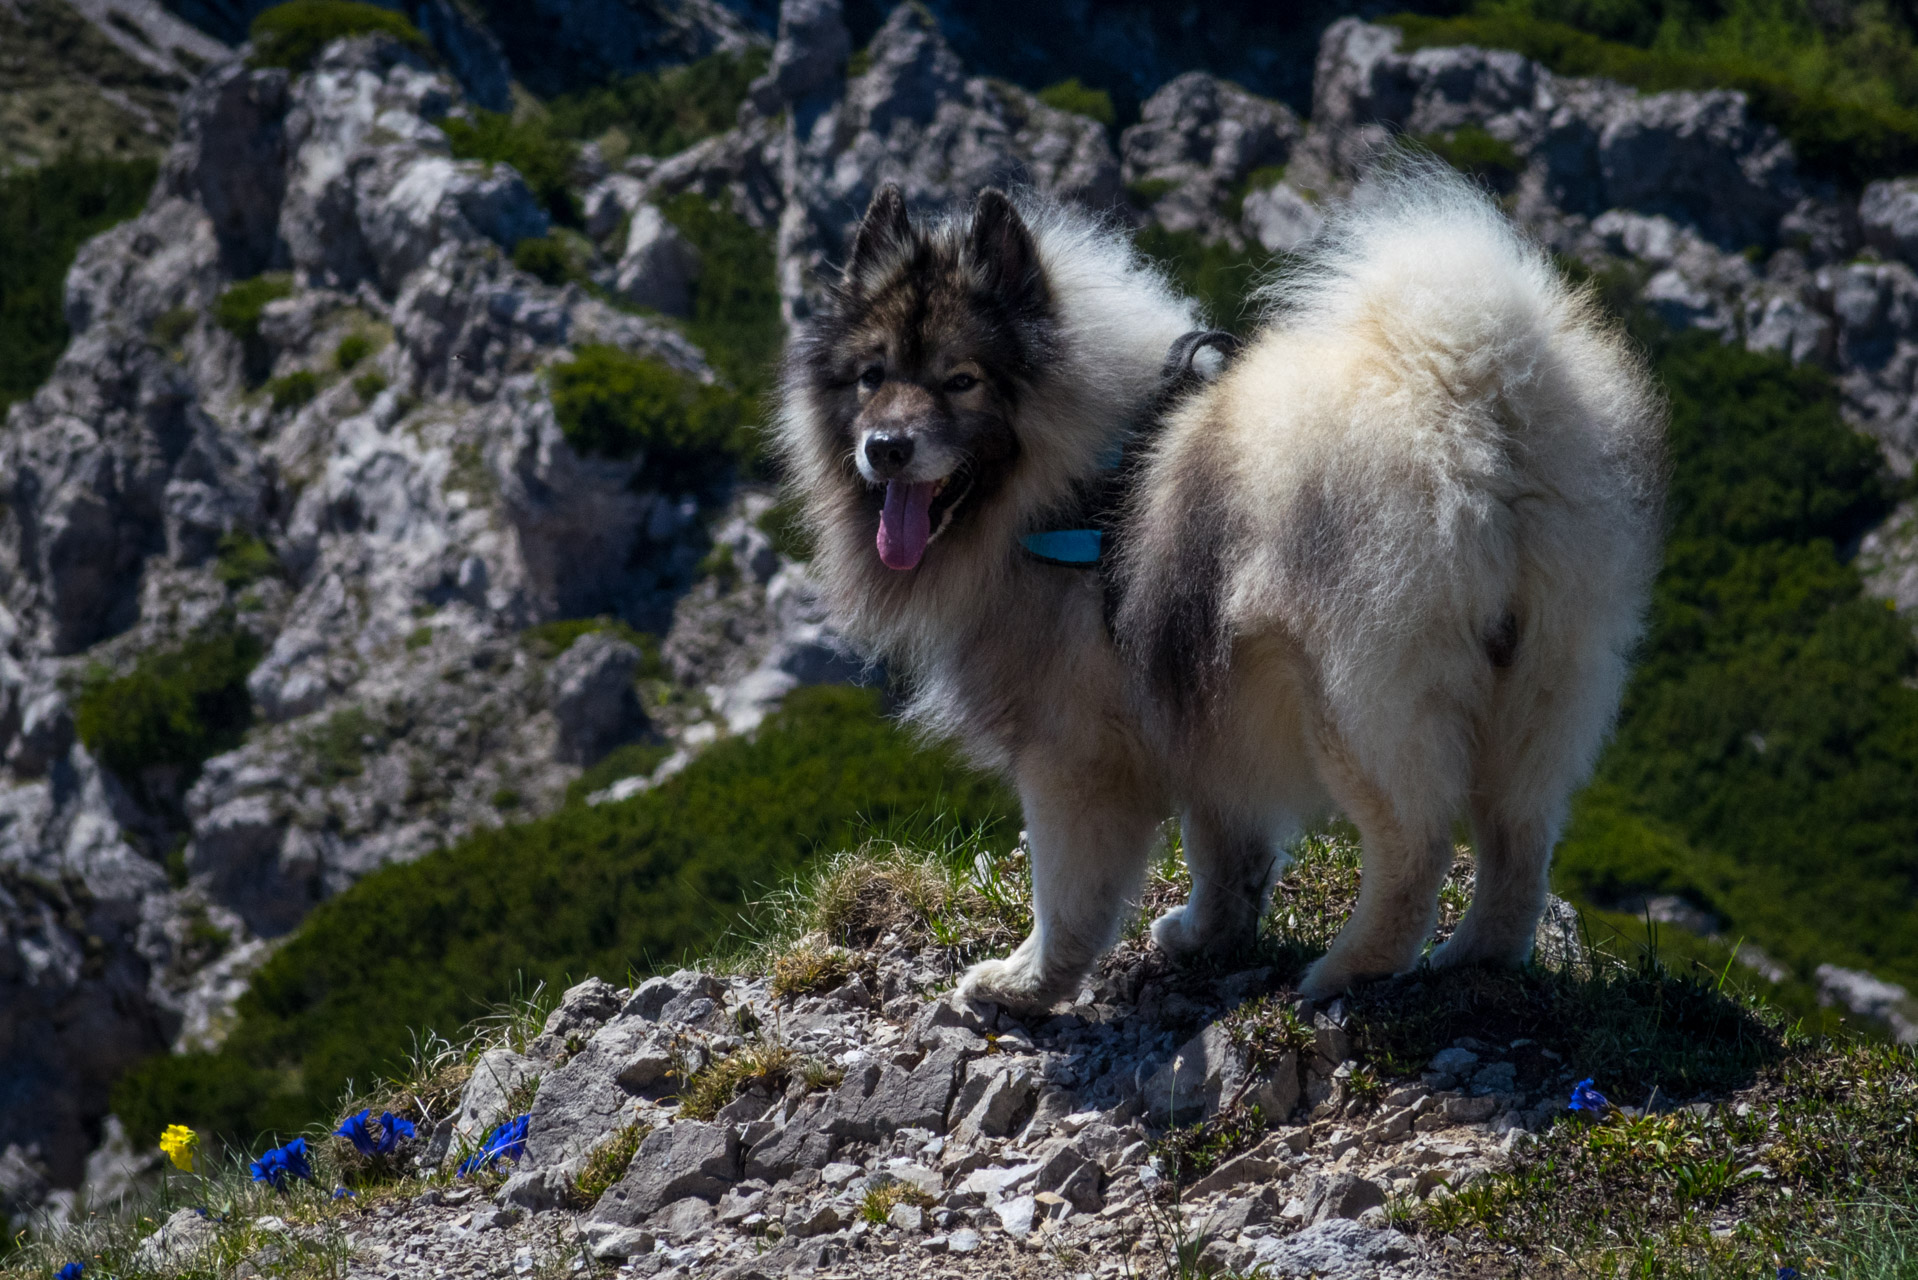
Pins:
<point x="1091" y="835"/>
<point x="1406" y="851"/>
<point x="1234" y="864"/>
<point x="1509" y="897"/>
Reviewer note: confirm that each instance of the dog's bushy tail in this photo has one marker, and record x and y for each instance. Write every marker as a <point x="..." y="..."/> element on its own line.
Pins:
<point x="1427" y="267"/>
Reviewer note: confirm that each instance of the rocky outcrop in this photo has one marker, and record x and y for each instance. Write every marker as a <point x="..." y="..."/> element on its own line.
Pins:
<point x="1198" y="140"/>
<point x="416" y="511"/>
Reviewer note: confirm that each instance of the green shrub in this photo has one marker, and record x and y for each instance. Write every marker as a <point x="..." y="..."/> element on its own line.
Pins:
<point x="239" y="310"/>
<point x="1146" y="191"/>
<point x="735" y="319"/>
<point x="369" y="385"/>
<point x="353" y="348"/>
<point x="176" y="707"/>
<point x="1848" y="137"/>
<point x="550" y="258"/>
<point x="292" y="35"/>
<point x="1766" y="760"/>
<point x="1080" y="100"/>
<point x="336" y="749"/>
<point x="45" y="215"/>
<point x="550" y="639"/>
<point x="1220" y="277"/>
<point x="294" y="389"/>
<point x="528" y="143"/>
<point x="659" y="113"/>
<point x="616" y="404"/>
<point x="609" y="889"/>
<point x="634" y="760"/>
<point x="244" y="559"/>
<point x="1475" y="152"/>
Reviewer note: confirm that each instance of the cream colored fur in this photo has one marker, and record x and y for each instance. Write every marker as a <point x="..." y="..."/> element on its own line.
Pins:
<point x="1432" y="435"/>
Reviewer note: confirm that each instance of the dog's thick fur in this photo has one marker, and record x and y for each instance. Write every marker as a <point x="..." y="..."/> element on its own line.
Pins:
<point x="1391" y="562"/>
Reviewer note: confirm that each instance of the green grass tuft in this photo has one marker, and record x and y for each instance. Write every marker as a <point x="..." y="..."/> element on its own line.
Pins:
<point x="606" y="1163"/>
<point x="353" y="348"/>
<point x="244" y="559"/>
<point x="293" y="35"/>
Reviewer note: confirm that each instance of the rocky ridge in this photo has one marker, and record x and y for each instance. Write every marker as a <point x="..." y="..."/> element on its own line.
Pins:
<point x="421" y="526"/>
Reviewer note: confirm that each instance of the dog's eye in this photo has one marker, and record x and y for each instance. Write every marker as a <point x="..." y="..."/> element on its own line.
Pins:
<point x="961" y="382"/>
<point x="872" y="377"/>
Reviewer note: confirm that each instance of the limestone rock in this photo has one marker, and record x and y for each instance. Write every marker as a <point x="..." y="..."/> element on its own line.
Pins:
<point x="685" y="1159"/>
<point x="593" y="698"/>
<point x="658" y="267"/>
<point x="1199" y="138"/>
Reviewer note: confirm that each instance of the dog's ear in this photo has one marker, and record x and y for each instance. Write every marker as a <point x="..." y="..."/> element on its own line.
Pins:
<point x="884" y="234"/>
<point x="1002" y="249"/>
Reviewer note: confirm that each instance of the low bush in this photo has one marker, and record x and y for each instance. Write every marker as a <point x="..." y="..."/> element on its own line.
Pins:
<point x="45" y="215"/>
<point x="1220" y="277"/>
<point x="353" y="348"/>
<point x="244" y="559"/>
<point x="1850" y="138"/>
<point x="293" y="34"/>
<point x="610" y="889"/>
<point x="551" y="259"/>
<point x="659" y="113"/>
<point x="1080" y="100"/>
<point x="616" y="404"/>
<point x="735" y="319"/>
<point x="177" y="707"/>
<point x="1476" y="153"/>
<point x="527" y="142"/>
<point x="292" y="390"/>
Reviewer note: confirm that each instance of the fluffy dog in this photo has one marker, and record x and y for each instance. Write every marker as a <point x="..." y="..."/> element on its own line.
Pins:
<point x="1391" y="561"/>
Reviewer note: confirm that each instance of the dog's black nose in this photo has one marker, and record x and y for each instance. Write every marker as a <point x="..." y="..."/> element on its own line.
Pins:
<point x="888" y="454"/>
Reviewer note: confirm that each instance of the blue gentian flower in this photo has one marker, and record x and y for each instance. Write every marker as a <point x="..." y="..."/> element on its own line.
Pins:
<point x="507" y="1142"/>
<point x="1586" y="1098"/>
<point x="281" y="1163"/>
<point x="1788" y="1273"/>
<point x="358" y="1131"/>
<point x="70" y="1272"/>
<point x="343" y="1193"/>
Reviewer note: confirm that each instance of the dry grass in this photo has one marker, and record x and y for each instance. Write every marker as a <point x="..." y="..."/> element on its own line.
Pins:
<point x="607" y="1162"/>
<point x="812" y="965"/>
<point x="771" y="1066"/>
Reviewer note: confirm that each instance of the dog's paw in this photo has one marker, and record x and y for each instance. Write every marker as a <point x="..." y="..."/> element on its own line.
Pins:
<point x="1463" y="949"/>
<point x="1175" y="934"/>
<point x="1329" y="976"/>
<point x="1012" y="983"/>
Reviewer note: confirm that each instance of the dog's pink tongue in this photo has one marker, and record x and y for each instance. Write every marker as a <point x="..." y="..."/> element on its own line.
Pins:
<point x="905" y="526"/>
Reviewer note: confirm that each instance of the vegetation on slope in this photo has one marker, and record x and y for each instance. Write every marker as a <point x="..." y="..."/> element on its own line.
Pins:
<point x="174" y="710"/>
<point x="1766" y="762"/>
<point x="45" y="215"/>
<point x="293" y="34"/>
<point x="611" y="889"/>
<point x="66" y="89"/>
<point x="528" y="143"/>
<point x="659" y="113"/>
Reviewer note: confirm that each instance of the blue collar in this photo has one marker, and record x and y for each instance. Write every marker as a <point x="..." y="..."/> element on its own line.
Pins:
<point x="1075" y="547"/>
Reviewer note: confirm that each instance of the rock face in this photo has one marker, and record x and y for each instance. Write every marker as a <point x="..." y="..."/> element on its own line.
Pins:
<point x="416" y="512"/>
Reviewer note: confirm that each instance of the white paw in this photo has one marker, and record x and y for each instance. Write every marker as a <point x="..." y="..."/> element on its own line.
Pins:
<point x="1323" y="980"/>
<point x="1464" y="948"/>
<point x="1174" y="932"/>
<point x="1011" y="982"/>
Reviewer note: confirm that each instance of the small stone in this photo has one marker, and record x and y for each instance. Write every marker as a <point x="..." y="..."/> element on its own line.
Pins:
<point x="907" y="1217"/>
<point x="838" y="1174"/>
<point x="1454" y="1062"/>
<point x="965" y="1240"/>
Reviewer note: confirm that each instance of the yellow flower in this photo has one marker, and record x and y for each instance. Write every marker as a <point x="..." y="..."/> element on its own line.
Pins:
<point x="179" y="1143"/>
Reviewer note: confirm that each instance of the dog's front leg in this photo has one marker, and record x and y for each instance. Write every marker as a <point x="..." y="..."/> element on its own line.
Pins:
<point x="1091" y="832"/>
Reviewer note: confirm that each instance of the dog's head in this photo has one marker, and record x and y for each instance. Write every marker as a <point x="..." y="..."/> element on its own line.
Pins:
<point x="915" y="370"/>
